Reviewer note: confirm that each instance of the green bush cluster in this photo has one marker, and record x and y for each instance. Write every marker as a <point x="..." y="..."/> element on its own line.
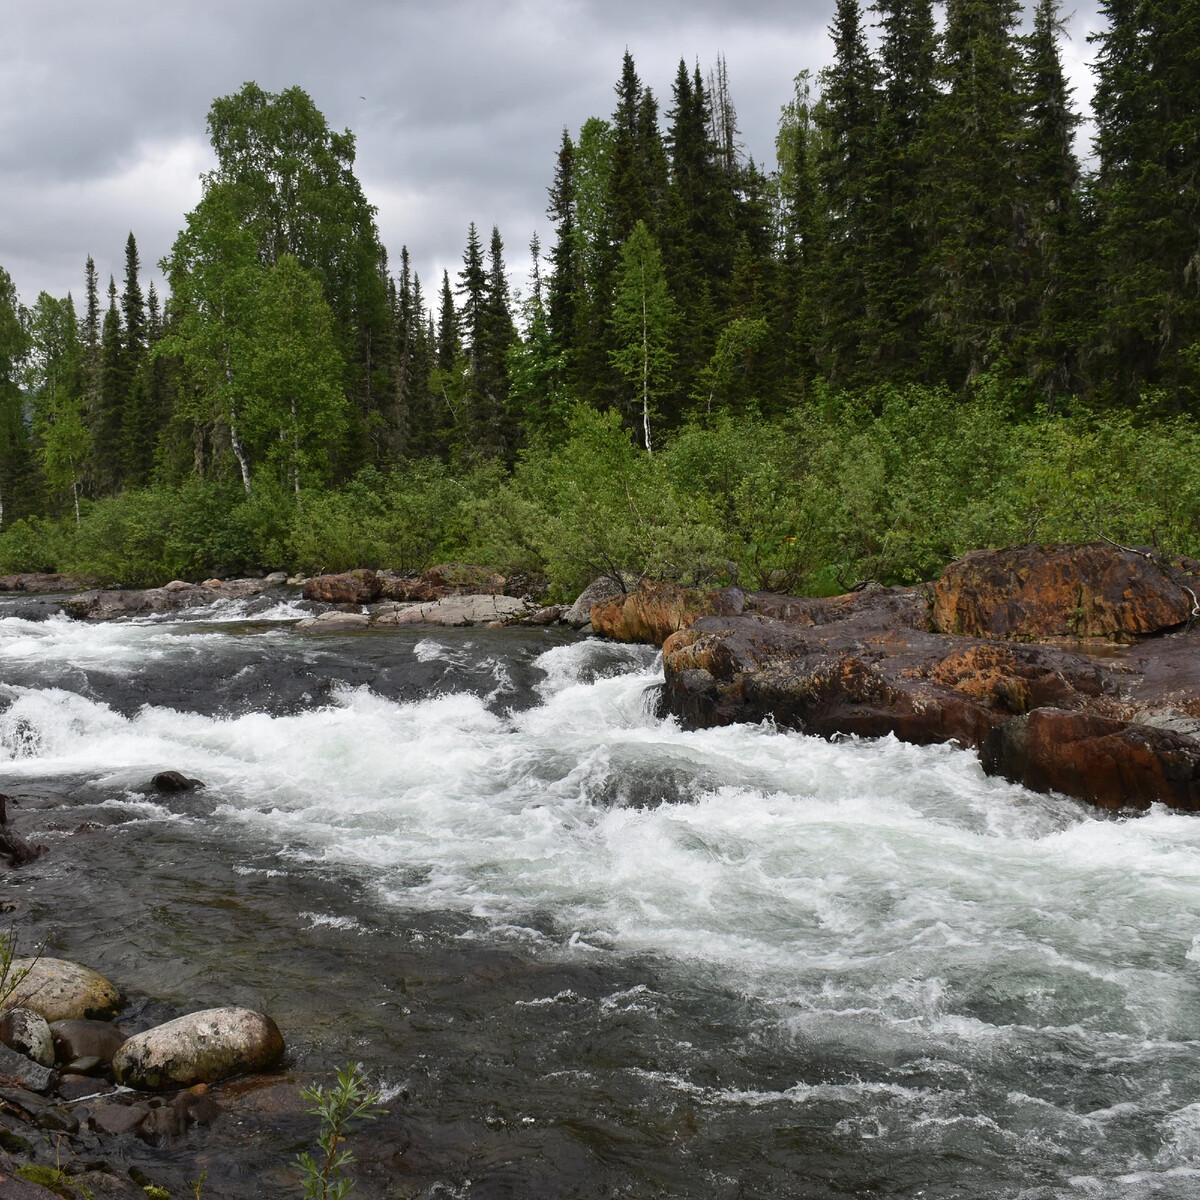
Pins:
<point x="888" y="484"/>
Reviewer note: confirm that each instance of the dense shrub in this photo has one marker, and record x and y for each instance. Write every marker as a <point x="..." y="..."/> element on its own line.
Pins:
<point x="889" y="484"/>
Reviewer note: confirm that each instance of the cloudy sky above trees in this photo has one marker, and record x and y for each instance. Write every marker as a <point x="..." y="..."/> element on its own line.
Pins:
<point x="457" y="106"/>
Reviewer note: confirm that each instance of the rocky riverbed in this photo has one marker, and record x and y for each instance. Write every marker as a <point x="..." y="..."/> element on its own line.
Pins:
<point x="1073" y="669"/>
<point x="588" y="950"/>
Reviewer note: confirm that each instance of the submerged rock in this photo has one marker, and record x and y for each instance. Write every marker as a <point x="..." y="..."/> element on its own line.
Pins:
<point x="60" y="990"/>
<point x="200" y="1047"/>
<point x="174" y="781"/>
<point x="77" y="1040"/>
<point x="334" y="622"/>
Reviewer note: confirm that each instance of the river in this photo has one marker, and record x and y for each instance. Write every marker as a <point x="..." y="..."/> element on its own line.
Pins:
<point x="585" y="953"/>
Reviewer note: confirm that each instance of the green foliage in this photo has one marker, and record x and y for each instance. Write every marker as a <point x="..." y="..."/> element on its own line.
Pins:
<point x="405" y="521"/>
<point x="595" y="505"/>
<point x="347" y="1101"/>
<point x="54" y="1179"/>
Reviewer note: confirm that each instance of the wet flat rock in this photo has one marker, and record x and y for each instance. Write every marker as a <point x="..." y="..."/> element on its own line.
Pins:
<point x="1110" y="719"/>
<point x="113" y="604"/>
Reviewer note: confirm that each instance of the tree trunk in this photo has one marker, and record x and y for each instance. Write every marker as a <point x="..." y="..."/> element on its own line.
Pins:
<point x="646" y="372"/>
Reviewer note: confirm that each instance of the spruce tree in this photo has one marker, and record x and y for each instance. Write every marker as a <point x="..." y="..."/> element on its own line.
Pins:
<point x="795" y="296"/>
<point x="108" y="427"/>
<point x="1148" y="199"/>
<point x="493" y="434"/>
<point x="977" y="204"/>
<point x="908" y="89"/>
<point x="565" y="284"/>
<point x="847" y="169"/>
<point x="1056" y="302"/>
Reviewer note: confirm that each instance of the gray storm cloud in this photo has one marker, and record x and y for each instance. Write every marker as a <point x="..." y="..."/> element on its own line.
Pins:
<point x="457" y="107"/>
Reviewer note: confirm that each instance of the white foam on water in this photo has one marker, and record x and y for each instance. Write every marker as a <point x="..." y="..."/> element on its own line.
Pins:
<point x="888" y="899"/>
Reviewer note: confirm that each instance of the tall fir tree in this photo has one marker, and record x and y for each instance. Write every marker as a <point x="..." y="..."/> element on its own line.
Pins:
<point x="565" y="285"/>
<point x="975" y="196"/>
<point x="1058" y="294"/>
<point x="1148" y="200"/>
<point x="109" y="423"/>
<point x="847" y="170"/>
<point x="908" y="90"/>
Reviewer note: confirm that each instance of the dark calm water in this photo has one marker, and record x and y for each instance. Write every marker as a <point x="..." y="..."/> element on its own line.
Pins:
<point x="584" y="953"/>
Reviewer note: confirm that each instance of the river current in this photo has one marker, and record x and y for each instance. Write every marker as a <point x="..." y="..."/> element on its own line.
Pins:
<point x="586" y="953"/>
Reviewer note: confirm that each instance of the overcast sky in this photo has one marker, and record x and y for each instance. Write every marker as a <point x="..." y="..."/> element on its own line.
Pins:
<point x="457" y="105"/>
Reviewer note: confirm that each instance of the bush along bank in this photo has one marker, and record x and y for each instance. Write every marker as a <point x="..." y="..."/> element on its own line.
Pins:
<point x="889" y="485"/>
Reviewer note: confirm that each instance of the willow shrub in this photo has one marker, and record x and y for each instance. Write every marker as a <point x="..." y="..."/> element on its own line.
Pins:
<point x="597" y="504"/>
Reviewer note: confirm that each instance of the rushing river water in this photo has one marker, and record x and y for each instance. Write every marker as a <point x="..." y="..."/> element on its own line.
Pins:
<point x="586" y="953"/>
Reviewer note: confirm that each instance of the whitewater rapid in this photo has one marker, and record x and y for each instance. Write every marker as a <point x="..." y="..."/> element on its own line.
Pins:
<point x="971" y="969"/>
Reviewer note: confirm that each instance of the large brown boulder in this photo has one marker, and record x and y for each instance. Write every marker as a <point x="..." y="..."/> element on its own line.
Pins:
<point x="350" y="587"/>
<point x="1031" y="592"/>
<point x="1108" y="762"/>
<point x="654" y="611"/>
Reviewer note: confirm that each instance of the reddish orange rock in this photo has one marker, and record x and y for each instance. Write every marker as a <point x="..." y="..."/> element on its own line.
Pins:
<point x="654" y="611"/>
<point x="1031" y="592"/>
<point x="351" y="587"/>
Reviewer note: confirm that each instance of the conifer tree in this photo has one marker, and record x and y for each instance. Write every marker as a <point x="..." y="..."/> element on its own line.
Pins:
<point x="977" y="264"/>
<point x="626" y="202"/>
<point x="800" y="237"/>
<point x="492" y="433"/>
<point x="1052" y="171"/>
<point x="847" y="167"/>
<point x="109" y="423"/>
<point x="565" y="283"/>
<point x="908" y="90"/>
<point x="1148" y="198"/>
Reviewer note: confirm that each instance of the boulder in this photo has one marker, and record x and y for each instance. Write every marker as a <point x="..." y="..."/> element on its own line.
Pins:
<point x="334" y="622"/>
<point x="201" y="1047"/>
<point x="28" y="1033"/>
<point x="114" y="604"/>
<point x="1112" y="722"/>
<point x="39" y="582"/>
<point x="654" y="611"/>
<point x="20" y="1070"/>
<point x="350" y="587"/>
<point x="1108" y="762"/>
<point x="452" y="611"/>
<point x="60" y="990"/>
<point x="446" y="579"/>
<point x="1030" y="592"/>
<point x="174" y="781"/>
<point x="78" y="1040"/>
<point x="599" y="591"/>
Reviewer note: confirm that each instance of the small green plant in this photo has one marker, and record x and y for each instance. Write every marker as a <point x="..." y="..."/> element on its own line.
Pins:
<point x="197" y="1185"/>
<point x="348" y="1100"/>
<point x="11" y="977"/>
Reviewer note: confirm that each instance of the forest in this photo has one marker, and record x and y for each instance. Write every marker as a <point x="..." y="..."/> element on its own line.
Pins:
<point x="930" y="327"/>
